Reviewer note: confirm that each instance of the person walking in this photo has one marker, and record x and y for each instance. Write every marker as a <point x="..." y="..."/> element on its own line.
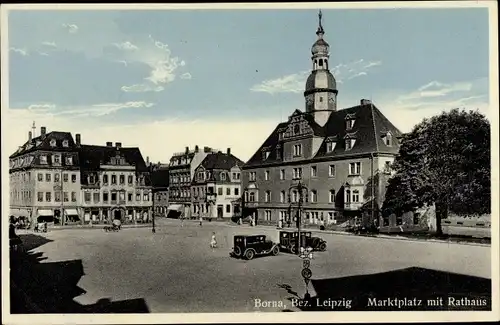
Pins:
<point x="201" y="221"/>
<point x="213" y="241"/>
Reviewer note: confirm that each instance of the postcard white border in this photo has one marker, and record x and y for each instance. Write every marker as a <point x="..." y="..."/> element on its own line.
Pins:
<point x="308" y="317"/>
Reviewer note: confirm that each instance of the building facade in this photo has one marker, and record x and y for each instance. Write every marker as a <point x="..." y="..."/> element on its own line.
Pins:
<point x="181" y="172"/>
<point x="216" y="187"/>
<point x="160" y="182"/>
<point x="57" y="180"/>
<point x="343" y="157"/>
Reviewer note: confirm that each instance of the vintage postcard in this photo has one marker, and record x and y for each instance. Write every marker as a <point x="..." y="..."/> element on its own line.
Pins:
<point x="323" y="162"/>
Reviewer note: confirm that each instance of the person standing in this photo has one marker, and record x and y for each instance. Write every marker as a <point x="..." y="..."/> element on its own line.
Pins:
<point x="201" y="221"/>
<point x="213" y="241"/>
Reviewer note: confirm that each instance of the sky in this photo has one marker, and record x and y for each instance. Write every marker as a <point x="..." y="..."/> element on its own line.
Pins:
<point x="166" y="79"/>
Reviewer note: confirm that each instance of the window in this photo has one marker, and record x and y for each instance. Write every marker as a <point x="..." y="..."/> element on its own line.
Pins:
<point x="236" y="191"/>
<point x="130" y="179"/>
<point x="47" y="177"/>
<point x="65" y="197"/>
<point x="113" y="179"/>
<point x="331" y="217"/>
<point x="223" y="176"/>
<point x="252" y="176"/>
<point x="69" y="160"/>
<point x="268" y="196"/>
<point x="266" y="154"/>
<point x="282" y="196"/>
<point x="321" y="97"/>
<point x="57" y="178"/>
<point x="355" y="196"/>
<point x="65" y="143"/>
<point x="57" y="160"/>
<point x="57" y="196"/>
<point x="105" y="197"/>
<point x="52" y="143"/>
<point x="349" y="143"/>
<point x="314" y="196"/>
<point x="73" y="196"/>
<point x="297" y="150"/>
<point x="146" y="197"/>
<point x="73" y="178"/>
<point x="43" y="159"/>
<point x="65" y="177"/>
<point x="267" y="215"/>
<point x="347" y="196"/>
<point x="387" y="167"/>
<point x="278" y="152"/>
<point x="332" y="196"/>
<point x="219" y="191"/>
<point x="228" y="191"/>
<point x="91" y="179"/>
<point x="388" y="139"/>
<point x="282" y="174"/>
<point x="330" y="146"/>
<point x="266" y="175"/>
<point x="40" y="196"/>
<point x="331" y="171"/>
<point x="314" y="171"/>
<point x="349" y="124"/>
<point x="228" y="208"/>
<point x="122" y="179"/>
<point x="113" y="196"/>
<point x="129" y="197"/>
<point x="251" y="197"/>
<point x="297" y="173"/>
<point x="87" y="197"/>
<point x="295" y="196"/>
<point x="105" y="179"/>
<point x="40" y="177"/>
<point x="96" y="198"/>
<point x="355" y="168"/>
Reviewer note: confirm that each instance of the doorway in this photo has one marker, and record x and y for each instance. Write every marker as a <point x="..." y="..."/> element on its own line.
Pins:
<point x="117" y="215"/>
<point x="220" y="211"/>
<point x="57" y="217"/>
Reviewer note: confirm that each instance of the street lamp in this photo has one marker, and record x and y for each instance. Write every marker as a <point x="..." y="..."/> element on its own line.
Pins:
<point x="153" y="230"/>
<point x="306" y="255"/>
<point x="302" y="190"/>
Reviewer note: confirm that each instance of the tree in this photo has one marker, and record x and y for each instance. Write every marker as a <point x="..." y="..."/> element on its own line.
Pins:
<point x="444" y="160"/>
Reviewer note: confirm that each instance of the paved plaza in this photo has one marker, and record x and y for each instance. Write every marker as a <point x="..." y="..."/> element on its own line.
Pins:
<point x="175" y="270"/>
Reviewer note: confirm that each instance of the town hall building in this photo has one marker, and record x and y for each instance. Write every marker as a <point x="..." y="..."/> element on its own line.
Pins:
<point x="341" y="156"/>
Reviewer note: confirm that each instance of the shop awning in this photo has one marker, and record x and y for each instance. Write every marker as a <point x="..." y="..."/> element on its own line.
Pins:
<point x="20" y="213"/>
<point x="175" y="207"/>
<point x="45" y="213"/>
<point x="71" y="212"/>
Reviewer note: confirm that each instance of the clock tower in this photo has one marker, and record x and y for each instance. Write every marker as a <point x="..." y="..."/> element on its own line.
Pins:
<point x="321" y="88"/>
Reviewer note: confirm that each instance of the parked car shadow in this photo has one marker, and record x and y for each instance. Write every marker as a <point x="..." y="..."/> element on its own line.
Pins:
<point x="51" y="287"/>
<point x="367" y="292"/>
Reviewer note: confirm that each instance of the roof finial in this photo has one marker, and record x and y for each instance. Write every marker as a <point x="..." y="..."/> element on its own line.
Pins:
<point x="320" y="15"/>
<point x="320" y="30"/>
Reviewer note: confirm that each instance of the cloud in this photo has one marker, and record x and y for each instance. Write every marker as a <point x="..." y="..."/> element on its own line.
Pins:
<point x="141" y="88"/>
<point x="295" y="83"/>
<point x="49" y="44"/>
<point x="71" y="28"/>
<point x="247" y="135"/>
<point x="126" y="46"/>
<point x="437" y="89"/>
<point x="23" y="52"/>
<point x="186" y="75"/>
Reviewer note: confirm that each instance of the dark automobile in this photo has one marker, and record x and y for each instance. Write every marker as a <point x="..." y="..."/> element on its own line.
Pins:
<point x="288" y="241"/>
<point x="250" y="246"/>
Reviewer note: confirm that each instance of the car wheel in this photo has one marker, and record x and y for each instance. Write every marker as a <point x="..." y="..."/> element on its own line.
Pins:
<point x="322" y="247"/>
<point x="237" y="251"/>
<point x="249" y="254"/>
<point x="276" y="250"/>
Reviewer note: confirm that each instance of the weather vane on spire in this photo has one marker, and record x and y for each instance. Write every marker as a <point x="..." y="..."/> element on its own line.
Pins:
<point x="320" y="31"/>
<point x="320" y="15"/>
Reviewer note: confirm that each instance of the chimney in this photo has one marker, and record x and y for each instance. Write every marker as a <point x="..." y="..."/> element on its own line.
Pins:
<point x="147" y="160"/>
<point x="206" y="149"/>
<point x="109" y="144"/>
<point x="118" y="145"/>
<point x="228" y="151"/>
<point x="196" y="149"/>
<point x="187" y="150"/>
<point x="30" y="136"/>
<point x="366" y="102"/>
<point x="43" y="131"/>
<point x="78" y="139"/>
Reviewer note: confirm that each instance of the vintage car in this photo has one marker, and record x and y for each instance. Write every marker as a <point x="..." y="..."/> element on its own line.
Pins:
<point x="250" y="246"/>
<point x="288" y="241"/>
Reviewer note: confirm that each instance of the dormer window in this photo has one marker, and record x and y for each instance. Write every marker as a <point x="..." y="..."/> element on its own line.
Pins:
<point x="330" y="146"/>
<point x="65" y="143"/>
<point x="296" y="129"/>
<point x="43" y="159"/>
<point x="265" y="154"/>
<point x="388" y="139"/>
<point x="57" y="160"/>
<point x="52" y="143"/>
<point x="223" y="176"/>
<point x="349" y="124"/>
<point x="349" y="143"/>
<point x="297" y="150"/>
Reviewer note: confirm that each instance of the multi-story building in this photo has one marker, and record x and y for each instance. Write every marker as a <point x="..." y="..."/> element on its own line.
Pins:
<point x="57" y="180"/>
<point x="115" y="184"/>
<point x="343" y="157"/>
<point x="45" y="178"/>
<point x="159" y="181"/>
<point x="216" y="188"/>
<point x="181" y="171"/>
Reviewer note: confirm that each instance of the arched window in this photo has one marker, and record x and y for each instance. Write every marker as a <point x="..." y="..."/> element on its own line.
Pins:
<point x="320" y="62"/>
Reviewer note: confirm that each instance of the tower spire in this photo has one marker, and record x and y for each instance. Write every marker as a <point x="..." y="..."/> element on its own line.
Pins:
<point x="320" y="32"/>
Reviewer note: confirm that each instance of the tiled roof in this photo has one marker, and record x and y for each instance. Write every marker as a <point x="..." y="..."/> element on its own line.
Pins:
<point x="44" y="143"/>
<point x="221" y="160"/>
<point x="368" y="131"/>
<point x="92" y="157"/>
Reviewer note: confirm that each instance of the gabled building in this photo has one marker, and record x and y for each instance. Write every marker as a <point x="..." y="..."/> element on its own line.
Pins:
<point x="181" y="171"/>
<point x="44" y="178"/>
<point x="115" y="184"/>
<point x="343" y="156"/>
<point x="160" y="181"/>
<point x="216" y="188"/>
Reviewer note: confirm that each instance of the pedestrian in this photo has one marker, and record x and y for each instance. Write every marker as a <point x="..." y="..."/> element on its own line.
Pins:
<point x="213" y="241"/>
<point x="201" y="221"/>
